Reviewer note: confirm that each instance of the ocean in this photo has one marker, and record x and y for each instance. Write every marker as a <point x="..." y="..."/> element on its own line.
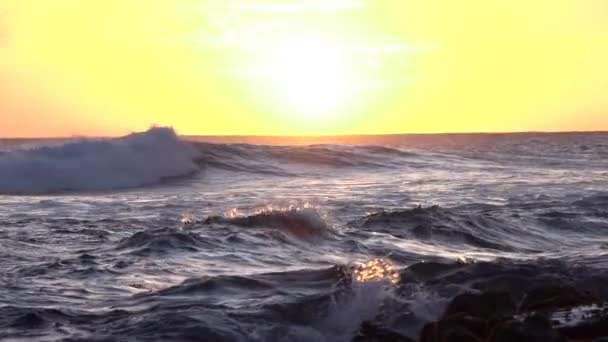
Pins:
<point x="157" y="237"/>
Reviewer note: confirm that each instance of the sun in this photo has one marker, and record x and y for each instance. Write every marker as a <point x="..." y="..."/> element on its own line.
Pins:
<point x="310" y="76"/>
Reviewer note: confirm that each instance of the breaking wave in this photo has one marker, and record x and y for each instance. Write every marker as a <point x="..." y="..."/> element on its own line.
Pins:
<point x="98" y="164"/>
<point x="149" y="157"/>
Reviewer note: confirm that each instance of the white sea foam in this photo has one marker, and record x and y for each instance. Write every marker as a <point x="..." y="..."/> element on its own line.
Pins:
<point x="97" y="164"/>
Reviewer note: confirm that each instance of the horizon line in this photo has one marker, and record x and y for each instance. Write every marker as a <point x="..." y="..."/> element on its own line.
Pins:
<point x="308" y="135"/>
<point x="389" y="134"/>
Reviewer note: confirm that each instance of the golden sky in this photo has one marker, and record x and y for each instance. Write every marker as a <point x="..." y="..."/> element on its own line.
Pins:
<point x="107" y="67"/>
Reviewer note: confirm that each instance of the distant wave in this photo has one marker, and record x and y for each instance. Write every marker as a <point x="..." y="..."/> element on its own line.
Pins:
<point x="146" y="158"/>
<point x="98" y="164"/>
<point x="290" y="160"/>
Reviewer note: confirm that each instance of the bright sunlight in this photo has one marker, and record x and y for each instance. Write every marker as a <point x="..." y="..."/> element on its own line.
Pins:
<point x="310" y="76"/>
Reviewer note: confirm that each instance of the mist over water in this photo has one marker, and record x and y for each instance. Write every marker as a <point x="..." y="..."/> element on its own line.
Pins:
<point x="166" y="239"/>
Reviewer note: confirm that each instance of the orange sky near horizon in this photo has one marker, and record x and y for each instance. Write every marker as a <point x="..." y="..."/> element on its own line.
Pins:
<point x="300" y="67"/>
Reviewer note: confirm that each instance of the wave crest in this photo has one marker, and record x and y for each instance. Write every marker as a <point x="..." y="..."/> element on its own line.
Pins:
<point x="98" y="164"/>
<point x="303" y="223"/>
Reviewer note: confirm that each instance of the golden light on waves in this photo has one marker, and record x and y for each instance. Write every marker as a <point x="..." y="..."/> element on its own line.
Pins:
<point x="376" y="270"/>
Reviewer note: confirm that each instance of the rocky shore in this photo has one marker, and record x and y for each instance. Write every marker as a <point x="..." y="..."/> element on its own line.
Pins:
<point x="507" y="306"/>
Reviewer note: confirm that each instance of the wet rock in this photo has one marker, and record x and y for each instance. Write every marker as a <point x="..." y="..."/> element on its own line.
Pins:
<point x="533" y="329"/>
<point x="595" y="330"/>
<point x="516" y="285"/>
<point x="461" y="336"/>
<point x="372" y="332"/>
<point x="485" y="305"/>
<point x="460" y="327"/>
<point x="554" y="297"/>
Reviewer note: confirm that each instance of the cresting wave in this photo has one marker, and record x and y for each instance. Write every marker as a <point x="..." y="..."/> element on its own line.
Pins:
<point x="149" y="157"/>
<point x="98" y="164"/>
<point x="300" y="222"/>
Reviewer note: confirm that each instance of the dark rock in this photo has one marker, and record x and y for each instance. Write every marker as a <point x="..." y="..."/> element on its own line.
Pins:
<point x="461" y="336"/>
<point x="532" y="329"/>
<point x="430" y="333"/>
<point x="372" y="332"/>
<point x="460" y="327"/>
<point x="554" y="297"/>
<point x="590" y="330"/>
<point x="485" y="305"/>
<point x="516" y="285"/>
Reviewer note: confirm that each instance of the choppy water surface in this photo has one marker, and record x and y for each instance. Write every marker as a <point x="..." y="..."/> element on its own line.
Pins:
<point x="155" y="238"/>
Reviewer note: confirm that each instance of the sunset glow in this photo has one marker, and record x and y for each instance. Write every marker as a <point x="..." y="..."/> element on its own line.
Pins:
<point x="70" y="67"/>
